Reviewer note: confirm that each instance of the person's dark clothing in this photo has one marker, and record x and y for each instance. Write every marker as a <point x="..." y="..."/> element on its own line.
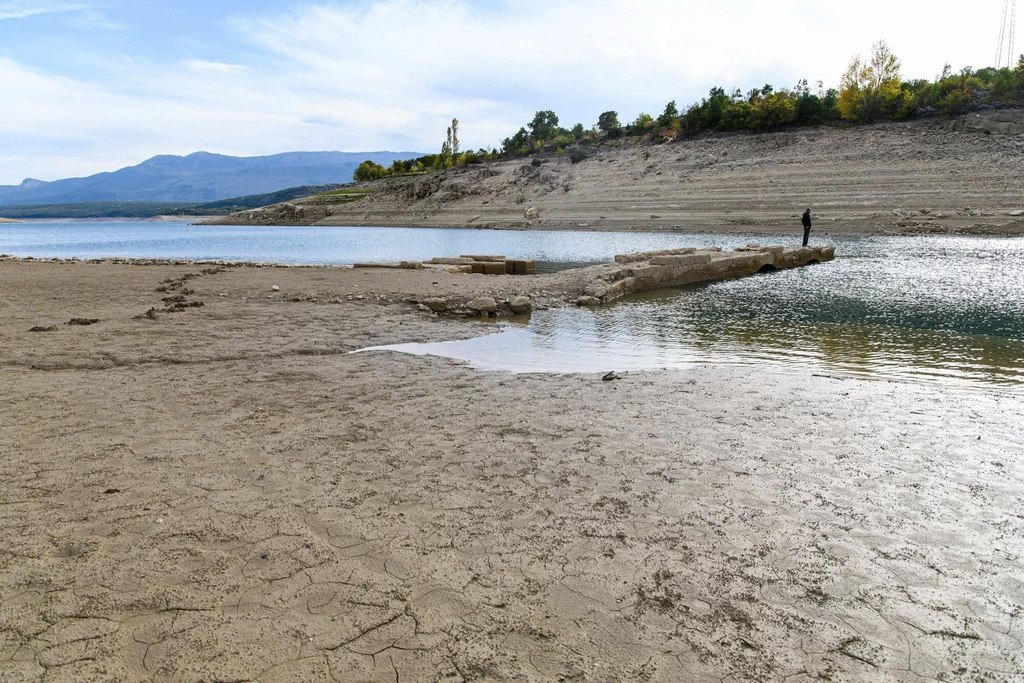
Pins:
<point x="806" y="220"/>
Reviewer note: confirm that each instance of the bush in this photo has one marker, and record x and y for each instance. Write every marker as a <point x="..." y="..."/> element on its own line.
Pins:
<point x="576" y="154"/>
<point x="536" y="162"/>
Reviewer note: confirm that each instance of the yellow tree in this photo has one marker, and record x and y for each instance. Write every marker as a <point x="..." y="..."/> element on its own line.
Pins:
<point x="867" y="86"/>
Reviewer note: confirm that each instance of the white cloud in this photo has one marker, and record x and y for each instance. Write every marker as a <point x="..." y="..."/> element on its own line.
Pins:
<point x="19" y="9"/>
<point x="390" y="74"/>
<point x="218" y="68"/>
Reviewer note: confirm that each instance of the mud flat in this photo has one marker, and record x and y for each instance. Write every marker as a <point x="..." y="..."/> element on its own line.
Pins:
<point x="225" y="493"/>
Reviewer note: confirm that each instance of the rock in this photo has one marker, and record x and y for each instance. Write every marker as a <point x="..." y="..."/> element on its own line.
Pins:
<point x="276" y="288"/>
<point x="82" y="321"/>
<point x="40" y="328"/>
<point x="521" y="304"/>
<point x="435" y="304"/>
<point x="411" y="265"/>
<point x="532" y="213"/>
<point x="425" y="309"/>
<point x="1018" y="212"/>
<point x="483" y="304"/>
<point x="588" y="301"/>
<point x="596" y="289"/>
<point x="610" y="376"/>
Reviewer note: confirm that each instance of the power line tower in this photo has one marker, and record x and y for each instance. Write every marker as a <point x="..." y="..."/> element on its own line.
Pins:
<point x="1007" y="31"/>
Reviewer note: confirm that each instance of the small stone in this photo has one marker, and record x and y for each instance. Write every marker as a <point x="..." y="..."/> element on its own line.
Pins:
<point x="532" y="213"/>
<point x="483" y="304"/>
<point x="588" y="301"/>
<point x="521" y="304"/>
<point x="276" y="288"/>
<point x="1018" y="212"/>
<point x="435" y="304"/>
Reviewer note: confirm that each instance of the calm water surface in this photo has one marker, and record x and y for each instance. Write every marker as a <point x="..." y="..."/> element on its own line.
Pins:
<point x="942" y="309"/>
<point x="946" y="309"/>
<point x="332" y="246"/>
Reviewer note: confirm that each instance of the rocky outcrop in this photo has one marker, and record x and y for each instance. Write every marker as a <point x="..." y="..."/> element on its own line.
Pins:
<point x="997" y="122"/>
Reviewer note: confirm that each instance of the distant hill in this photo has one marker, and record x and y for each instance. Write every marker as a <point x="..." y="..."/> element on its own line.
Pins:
<point x="150" y="209"/>
<point x="199" y="178"/>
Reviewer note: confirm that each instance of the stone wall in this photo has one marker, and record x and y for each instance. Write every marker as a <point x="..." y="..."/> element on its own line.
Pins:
<point x="643" y="272"/>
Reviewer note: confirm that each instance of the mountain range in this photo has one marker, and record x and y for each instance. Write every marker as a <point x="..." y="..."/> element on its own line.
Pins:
<point x="199" y="177"/>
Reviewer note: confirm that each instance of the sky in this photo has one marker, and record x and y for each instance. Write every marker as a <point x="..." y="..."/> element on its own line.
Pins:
<point x="95" y="85"/>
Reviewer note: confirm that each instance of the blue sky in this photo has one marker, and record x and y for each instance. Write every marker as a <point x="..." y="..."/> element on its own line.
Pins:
<point x="95" y="85"/>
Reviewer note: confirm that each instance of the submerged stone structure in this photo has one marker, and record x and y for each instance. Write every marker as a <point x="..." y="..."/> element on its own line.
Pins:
<point x="630" y="273"/>
<point x="672" y="268"/>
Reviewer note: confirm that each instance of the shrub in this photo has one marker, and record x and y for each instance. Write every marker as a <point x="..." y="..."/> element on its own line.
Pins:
<point x="576" y="154"/>
<point x="536" y="162"/>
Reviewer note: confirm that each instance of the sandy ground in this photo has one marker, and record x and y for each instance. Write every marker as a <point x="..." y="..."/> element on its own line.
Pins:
<point x="225" y="494"/>
<point x="902" y="178"/>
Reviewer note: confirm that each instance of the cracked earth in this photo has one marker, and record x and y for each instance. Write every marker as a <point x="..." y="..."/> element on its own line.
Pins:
<point x="224" y="494"/>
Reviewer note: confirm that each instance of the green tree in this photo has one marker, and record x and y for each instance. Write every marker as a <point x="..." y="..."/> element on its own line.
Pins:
<point x="608" y="120"/>
<point x="670" y="114"/>
<point x="773" y="111"/>
<point x="869" y="86"/>
<point x="516" y="144"/>
<point x="453" y="138"/>
<point x="544" y="125"/>
<point x="369" y="170"/>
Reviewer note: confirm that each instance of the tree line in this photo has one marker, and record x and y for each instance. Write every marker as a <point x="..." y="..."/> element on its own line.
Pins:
<point x="871" y="90"/>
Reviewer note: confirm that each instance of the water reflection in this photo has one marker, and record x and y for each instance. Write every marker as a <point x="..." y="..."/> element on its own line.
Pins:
<point x="951" y="311"/>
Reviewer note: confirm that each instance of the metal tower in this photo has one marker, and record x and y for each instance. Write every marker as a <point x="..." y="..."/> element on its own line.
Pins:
<point x="1007" y="30"/>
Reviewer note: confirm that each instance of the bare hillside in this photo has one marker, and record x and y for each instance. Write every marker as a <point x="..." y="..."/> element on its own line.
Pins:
<point x="924" y="176"/>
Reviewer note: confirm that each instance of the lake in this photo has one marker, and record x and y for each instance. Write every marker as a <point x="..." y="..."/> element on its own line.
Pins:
<point x="937" y="308"/>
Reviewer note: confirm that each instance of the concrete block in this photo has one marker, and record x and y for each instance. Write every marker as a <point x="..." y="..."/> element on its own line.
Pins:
<point x="479" y="257"/>
<point x="510" y="267"/>
<point x="493" y="267"/>
<point x="524" y="267"/>
<point x="681" y="260"/>
<point x="620" y="288"/>
<point x="446" y="261"/>
<point x="477" y="267"/>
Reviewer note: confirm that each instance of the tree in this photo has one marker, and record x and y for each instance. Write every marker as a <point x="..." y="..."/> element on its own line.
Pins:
<point x="544" y="125"/>
<point x="773" y="111"/>
<point x="369" y="170"/>
<point x="608" y="120"/>
<point x="868" y="86"/>
<point x="454" y="138"/>
<point x="577" y="132"/>
<point x="515" y="144"/>
<point x="670" y="114"/>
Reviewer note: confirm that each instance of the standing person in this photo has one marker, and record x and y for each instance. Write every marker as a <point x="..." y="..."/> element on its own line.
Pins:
<point x="806" y="220"/>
